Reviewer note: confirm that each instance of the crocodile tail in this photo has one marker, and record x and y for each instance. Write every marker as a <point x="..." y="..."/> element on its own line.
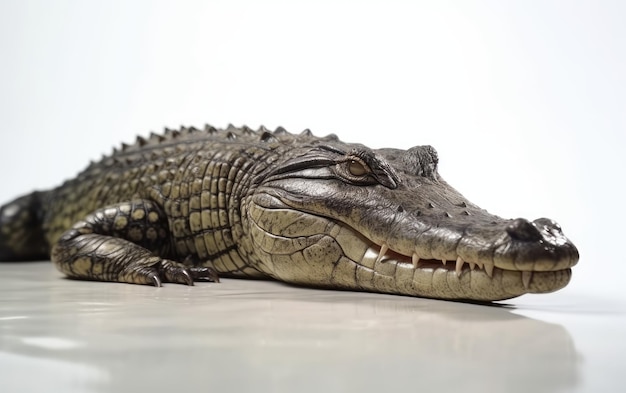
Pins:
<point x="21" y="234"/>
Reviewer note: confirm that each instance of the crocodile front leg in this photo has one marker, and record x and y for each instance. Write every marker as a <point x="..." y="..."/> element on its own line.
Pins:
<point x="125" y="242"/>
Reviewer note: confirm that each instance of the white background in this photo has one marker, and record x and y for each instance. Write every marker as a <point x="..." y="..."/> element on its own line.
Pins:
<point x="524" y="100"/>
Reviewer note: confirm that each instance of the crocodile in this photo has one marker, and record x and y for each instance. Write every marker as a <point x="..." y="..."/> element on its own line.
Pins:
<point x="192" y="204"/>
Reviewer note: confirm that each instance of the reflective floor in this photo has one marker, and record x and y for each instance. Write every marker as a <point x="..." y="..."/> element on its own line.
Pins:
<point x="60" y="335"/>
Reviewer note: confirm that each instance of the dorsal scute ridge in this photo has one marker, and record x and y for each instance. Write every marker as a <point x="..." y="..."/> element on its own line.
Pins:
<point x="209" y="129"/>
<point x="267" y="136"/>
<point x="247" y="130"/>
<point x="156" y="138"/>
<point x="230" y="133"/>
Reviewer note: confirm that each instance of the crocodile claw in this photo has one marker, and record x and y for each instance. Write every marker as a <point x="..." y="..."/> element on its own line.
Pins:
<point x="156" y="281"/>
<point x="200" y="273"/>
<point x="170" y="271"/>
<point x="204" y="274"/>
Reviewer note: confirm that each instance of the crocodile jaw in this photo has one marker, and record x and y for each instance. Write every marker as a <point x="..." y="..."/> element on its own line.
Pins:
<point x="396" y="273"/>
<point x="307" y="249"/>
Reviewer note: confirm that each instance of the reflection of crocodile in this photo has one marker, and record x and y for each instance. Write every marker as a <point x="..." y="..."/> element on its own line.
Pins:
<point x="189" y="204"/>
<point x="281" y="339"/>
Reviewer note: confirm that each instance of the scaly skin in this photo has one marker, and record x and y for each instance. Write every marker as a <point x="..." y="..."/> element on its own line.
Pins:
<point x="189" y="205"/>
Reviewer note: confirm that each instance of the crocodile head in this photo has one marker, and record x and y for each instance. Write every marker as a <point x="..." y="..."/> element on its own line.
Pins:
<point x="345" y="216"/>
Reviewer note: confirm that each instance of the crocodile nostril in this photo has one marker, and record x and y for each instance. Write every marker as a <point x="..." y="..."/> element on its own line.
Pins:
<point x="524" y="230"/>
<point x="549" y="224"/>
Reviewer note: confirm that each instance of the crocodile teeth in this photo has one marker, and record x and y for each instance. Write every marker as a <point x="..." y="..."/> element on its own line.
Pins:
<point x="415" y="259"/>
<point x="472" y="265"/>
<point x="526" y="277"/>
<point x="489" y="269"/>
<point x="383" y="251"/>
<point x="459" y="266"/>
<point x="444" y="262"/>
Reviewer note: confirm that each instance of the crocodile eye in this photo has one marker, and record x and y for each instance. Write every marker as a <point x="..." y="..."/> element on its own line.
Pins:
<point x="356" y="168"/>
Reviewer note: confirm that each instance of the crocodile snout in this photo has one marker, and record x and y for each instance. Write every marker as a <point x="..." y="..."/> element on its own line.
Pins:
<point x="523" y="230"/>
